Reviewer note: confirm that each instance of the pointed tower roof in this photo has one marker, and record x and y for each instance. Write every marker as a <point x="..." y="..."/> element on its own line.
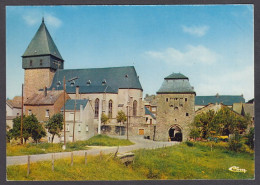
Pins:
<point x="176" y="83"/>
<point x="42" y="44"/>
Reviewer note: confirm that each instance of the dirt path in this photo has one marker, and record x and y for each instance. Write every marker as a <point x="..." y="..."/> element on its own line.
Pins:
<point x="139" y="143"/>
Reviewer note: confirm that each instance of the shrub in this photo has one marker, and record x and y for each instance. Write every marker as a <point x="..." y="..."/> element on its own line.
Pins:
<point x="250" y="138"/>
<point x="235" y="143"/>
<point x="189" y="143"/>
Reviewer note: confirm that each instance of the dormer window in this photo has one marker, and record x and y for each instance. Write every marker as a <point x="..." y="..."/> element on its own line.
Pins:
<point x="72" y="84"/>
<point x="88" y="82"/>
<point x="104" y="82"/>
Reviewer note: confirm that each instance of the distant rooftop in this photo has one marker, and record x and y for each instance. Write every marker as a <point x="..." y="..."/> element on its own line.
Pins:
<point x="224" y="99"/>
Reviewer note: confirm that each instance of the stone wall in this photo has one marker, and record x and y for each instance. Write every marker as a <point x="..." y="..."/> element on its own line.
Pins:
<point x="174" y="110"/>
<point x="35" y="79"/>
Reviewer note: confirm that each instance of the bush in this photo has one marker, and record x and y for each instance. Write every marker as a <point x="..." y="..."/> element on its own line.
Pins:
<point x="235" y="143"/>
<point x="189" y="143"/>
<point x="250" y="138"/>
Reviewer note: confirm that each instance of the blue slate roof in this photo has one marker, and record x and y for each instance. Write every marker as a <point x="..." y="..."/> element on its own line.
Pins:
<point x="147" y="112"/>
<point x="69" y="105"/>
<point x="224" y="99"/>
<point x="114" y="78"/>
<point x="42" y="44"/>
<point x="176" y="83"/>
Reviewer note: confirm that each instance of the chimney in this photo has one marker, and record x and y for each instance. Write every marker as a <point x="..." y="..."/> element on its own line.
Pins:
<point x="45" y="91"/>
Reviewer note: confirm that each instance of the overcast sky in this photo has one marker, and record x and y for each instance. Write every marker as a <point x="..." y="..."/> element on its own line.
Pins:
<point x="211" y="44"/>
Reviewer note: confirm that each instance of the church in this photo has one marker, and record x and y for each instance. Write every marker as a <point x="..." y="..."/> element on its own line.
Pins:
<point x="108" y="90"/>
<point x="90" y="93"/>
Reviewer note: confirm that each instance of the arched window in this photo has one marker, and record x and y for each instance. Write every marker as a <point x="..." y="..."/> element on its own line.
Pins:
<point x="96" y="108"/>
<point x="110" y="105"/>
<point x="134" y="108"/>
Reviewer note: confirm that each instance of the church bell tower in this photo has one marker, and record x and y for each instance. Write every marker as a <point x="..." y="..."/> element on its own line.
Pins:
<point x="40" y="61"/>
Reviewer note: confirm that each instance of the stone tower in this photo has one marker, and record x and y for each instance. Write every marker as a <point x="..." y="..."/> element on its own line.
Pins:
<point x="175" y="108"/>
<point x="40" y="61"/>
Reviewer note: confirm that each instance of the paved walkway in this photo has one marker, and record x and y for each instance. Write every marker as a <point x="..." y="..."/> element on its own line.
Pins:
<point x="139" y="143"/>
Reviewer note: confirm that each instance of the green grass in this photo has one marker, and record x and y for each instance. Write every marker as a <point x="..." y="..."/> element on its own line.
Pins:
<point x="42" y="148"/>
<point x="176" y="162"/>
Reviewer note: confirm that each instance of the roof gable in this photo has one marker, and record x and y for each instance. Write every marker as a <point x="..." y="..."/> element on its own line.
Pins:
<point x="42" y="44"/>
<point x="40" y="99"/>
<point x="147" y="112"/>
<point x="114" y="78"/>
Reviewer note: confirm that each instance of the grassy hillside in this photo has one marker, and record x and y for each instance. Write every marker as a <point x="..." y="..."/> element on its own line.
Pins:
<point x="176" y="162"/>
<point x="42" y="148"/>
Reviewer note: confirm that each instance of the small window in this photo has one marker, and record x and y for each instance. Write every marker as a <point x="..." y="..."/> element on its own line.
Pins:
<point x="29" y="112"/>
<point x="47" y="113"/>
<point x="79" y="128"/>
<point x="41" y="62"/>
<point x="151" y="121"/>
<point x="186" y="99"/>
<point x="171" y="105"/>
<point x="86" y="128"/>
<point x="167" y="99"/>
<point x="187" y="114"/>
<point x="30" y="62"/>
<point x="146" y="119"/>
<point x="67" y="127"/>
<point x="176" y="108"/>
<point x="153" y="109"/>
<point x="18" y="114"/>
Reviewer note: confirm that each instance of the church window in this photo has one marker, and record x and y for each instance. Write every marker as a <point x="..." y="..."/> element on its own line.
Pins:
<point x="96" y="108"/>
<point x="41" y="62"/>
<point x="110" y="106"/>
<point x="30" y="62"/>
<point x="135" y="108"/>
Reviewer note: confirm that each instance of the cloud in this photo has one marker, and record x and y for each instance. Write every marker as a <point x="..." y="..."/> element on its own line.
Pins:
<point x="193" y="55"/>
<point x="34" y="18"/>
<point x="233" y="83"/>
<point x="198" y="31"/>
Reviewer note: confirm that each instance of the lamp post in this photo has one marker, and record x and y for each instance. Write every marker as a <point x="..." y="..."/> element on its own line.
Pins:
<point x="22" y="119"/>
<point x="64" y="109"/>
<point x="127" y="107"/>
<point x="73" y="82"/>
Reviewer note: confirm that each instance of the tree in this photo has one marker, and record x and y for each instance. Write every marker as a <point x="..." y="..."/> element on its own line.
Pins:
<point x="38" y="132"/>
<point x="104" y="119"/>
<point x="30" y="127"/>
<point x="204" y="123"/>
<point x="223" y="123"/>
<point x="250" y="138"/>
<point x="55" y="125"/>
<point x="121" y="117"/>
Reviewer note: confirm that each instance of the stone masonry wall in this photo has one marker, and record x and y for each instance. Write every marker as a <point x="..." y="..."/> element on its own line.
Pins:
<point x="174" y="109"/>
<point x="35" y="79"/>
